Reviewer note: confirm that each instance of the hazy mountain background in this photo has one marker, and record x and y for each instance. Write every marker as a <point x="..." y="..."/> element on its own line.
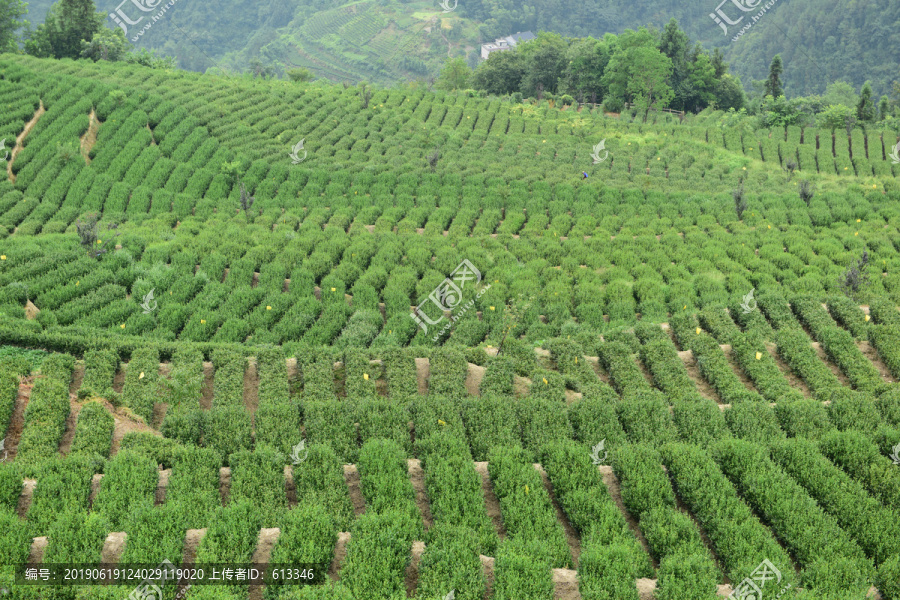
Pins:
<point x="385" y="41"/>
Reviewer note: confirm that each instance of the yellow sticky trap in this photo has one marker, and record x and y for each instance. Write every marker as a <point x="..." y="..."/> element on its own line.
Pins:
<point x="698" y="331"/>
<point x="545" y="381"/>
<point x="333" y="289"/>
<point x="3" y="257"/>
<point x="441" y="422"/>
<point x="122" y="325"/>
<point x="492" y="308"/>
<point x="202" y="321"/>
<point x="758" y="355"/>
<point x="366" y="376"/>
<point x="141" y="376"/>
<point x="867" y="318"/>
<point x="268" y="308"/>
<point x="526" y="489"/>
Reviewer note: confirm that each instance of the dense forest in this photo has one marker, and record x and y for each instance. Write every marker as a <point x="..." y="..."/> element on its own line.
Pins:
<point x="386" y="41"/>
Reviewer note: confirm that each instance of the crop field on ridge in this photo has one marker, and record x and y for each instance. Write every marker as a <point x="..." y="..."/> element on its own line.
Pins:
<point x="419" y="354"/>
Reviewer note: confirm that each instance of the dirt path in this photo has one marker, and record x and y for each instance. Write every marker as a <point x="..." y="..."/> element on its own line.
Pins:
<point x="594" y="361"/>
<point x="487" y="564"/>
<point x="17" y="421"/>
<point x="473" y="379"/>
<point x="294" y="375"/>
<point x="703" y="387"/>
<point x="340" y="553"/>
<point x="251" y="386"/>
<point x="125" y="422"/>
<point x="872" y="354"/>
<point x="113" y="547"/>
<point x="565" y="585"/>
<point x="36" y="554"/>
<point x="26" y="497"/>
<point x="796" y="382"/>
<point x="161" y="486"/>
<point x="21" y="137"/>
<point x="90" y="136"/>
<point x="192" y="539"/>
<point x="206" y="394"/>
<point x="491" y="503"/>
<point x="119" y="379"/>
<point x="77" y="378"/>
<point x="290" y="488"/>
<point x="268" y="537"/>
<point x="823" y="356"/>
<point x="423" y="372"/>
<point x="417" y="476"/>
<point x="571" y="535"/>
<point x="224" y="484"/>
<point x="738" y="371"/>
<point x="412" y="570"/>
<point x="351" y="476"/>
<point x="612" y="484"/>
<point x="65" y="443"/>
<point x="95" y="487"/>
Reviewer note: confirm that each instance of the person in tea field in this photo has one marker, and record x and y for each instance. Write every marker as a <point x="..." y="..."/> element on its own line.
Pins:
<point x="585" y="175"/>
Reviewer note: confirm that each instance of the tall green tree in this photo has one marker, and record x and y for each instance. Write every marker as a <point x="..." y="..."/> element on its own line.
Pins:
<point x="68" y="22"/>
<point x="773" y="83"/>
<point x="884" y="108"/>
<point x="454" y="76"/>
<point x="107" y="44"/>
<point x="545" y="59"/>
<point x="865" y="108"/>
<point x="586" y="59"/>
<point x="649" y="87"/>
<point x="500" y="74"/>
<point x="11" y="12"/>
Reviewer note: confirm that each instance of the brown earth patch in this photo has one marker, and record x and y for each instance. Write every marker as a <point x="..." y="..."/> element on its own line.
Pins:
<point x="31" y="311"/>
<point x="36" y="554"/>
<point x="224" y="484"/>
<point x="251" y="386"/>
<point x="473" y="379"/>
<point x="738" y="371"/>
<point x="119" y="379"/>
<point x="77" y="378"/>
<point x="572" y="538"/>
<point x="290" y="488"/>
<point x="26" y="497"/>
<point x="340" y="553"/>
<point x="90" y="136"/>
<point x="206" y="392"/>
<point x="703" y="387"/>
<point x="113" y="547"/>
<point x="615" y="490"/>
<point x="572" y="396"/>
<point x="351" y="476"/>
<point x="872" y="354"/>
<point x="521" y="386"/>
<point x="19" y="138"/>
<point x="65" y="443"/>
<point x="423" y="372"/>
<point x="268" y="537"/>
<point x="491" y="503"/>
<point x="594" y="361"/>
<point x="646" y="588"/>
<point x="795" y="381"/>
<point x="823" y="356"/>
<point x="412" y="570"/>
<point x="417" y="477"/>
<point x="125" y="422"/>
<point x="95" y="487"/>
<point x="192" y="539"/>
<point x="565" y="585"/>
<point x="487" y="565"/>
<point x="161" y="486"/>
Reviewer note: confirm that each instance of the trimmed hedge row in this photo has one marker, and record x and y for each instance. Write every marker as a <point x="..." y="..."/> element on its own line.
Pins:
<point x="94" y="430"/>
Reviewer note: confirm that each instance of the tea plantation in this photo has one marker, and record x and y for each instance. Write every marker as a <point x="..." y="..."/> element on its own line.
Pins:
<point x="397" y="338"/>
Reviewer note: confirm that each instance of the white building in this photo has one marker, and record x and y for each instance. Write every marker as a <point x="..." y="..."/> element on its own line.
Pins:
<point x="506" y="43"/>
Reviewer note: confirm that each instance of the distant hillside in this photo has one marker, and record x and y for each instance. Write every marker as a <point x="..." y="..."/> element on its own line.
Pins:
<point x="385" y="41"/>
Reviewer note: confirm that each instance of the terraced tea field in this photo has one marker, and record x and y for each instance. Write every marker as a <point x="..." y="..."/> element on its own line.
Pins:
<point x="481" y="378"/>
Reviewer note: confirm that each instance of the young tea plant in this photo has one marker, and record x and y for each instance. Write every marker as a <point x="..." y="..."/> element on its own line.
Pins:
<point x="855" y="278"/>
